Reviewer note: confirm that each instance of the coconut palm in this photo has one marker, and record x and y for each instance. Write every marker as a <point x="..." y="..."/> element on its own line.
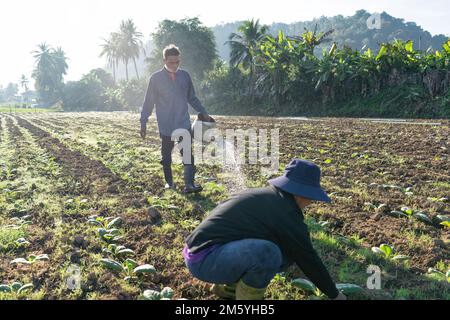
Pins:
<point x="51" y="66"/>
<point x="244" y="48"/>
<point x="44" y="72"/>
<point x="111" y="49"/>
<point x="24" y="83"/>
<point x="131" y="44"/>
<point x="245" y="43"/>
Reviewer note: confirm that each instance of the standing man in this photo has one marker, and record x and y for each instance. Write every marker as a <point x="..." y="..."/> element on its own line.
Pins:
<point x="256" y="234"/>
<point x="171" y="89"/>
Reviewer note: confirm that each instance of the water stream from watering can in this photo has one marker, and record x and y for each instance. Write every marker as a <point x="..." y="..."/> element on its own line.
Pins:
<point x="234" y="177"/>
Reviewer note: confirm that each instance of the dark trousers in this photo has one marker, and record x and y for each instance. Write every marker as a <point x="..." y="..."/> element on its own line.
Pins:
<point x="167" y="146"/>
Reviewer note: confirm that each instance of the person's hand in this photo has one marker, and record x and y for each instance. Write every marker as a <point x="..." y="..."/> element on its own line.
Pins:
<point x="205" y="118"/>
<point x="340" y="296"/>
<point x="143" y="132"/>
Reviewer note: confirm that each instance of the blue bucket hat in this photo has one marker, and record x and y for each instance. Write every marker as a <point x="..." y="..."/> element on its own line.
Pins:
<point x="301" y="178"/>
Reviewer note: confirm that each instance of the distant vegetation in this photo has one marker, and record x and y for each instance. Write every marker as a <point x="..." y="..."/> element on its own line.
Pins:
<point x="349" y="31"/>
<point x="281" y="75"/>
<point x="326" y="67"/>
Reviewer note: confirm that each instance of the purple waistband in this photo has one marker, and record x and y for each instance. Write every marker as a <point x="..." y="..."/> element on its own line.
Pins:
<point x="198" y="256"/>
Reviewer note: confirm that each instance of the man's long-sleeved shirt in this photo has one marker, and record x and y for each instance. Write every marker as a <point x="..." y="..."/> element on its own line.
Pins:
<point x="171" y="98"/>
<point x="269" y="214"/>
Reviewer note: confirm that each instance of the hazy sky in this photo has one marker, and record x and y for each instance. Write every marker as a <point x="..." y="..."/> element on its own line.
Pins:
<point x="79" y="25"/>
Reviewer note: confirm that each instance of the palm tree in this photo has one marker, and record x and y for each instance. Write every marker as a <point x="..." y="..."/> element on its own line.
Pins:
<point x="24" y="83"/>
<point x="50" y="68"/>
<point x="131" y="44"/>
<point x="244" y="44"/>
<point x="44" y="71"/>
<point x="60" y="61"/>
<point x="244" y="47"/>
<point x="111" y="49"/>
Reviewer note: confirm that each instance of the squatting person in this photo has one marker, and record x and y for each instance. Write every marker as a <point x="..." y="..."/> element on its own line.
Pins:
<point x="245" y="241"/>
<point x="170" y="90"/>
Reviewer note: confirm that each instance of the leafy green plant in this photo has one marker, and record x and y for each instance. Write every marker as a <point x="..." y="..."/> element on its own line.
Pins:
<point x="161" y="203"/>
<point x="16" y="287"/>
<point x="107" y="231"/>
<point x="19" y="243"/>
<point x="118" y="251"/>
<point x="443" y="220"/>
<point x="109" y="235"/>
<point x="165" y="294"/>
<point x="130" y="267"/>
<point x="308" y="286"/>
<point x="410" y="213"/>
<point x="387" y="252"/>
<point x="105" y="222"/>
<point x="31" y="259"/>
<point x="443" y="199"/>
<point x="19" y="222"/>
<point x="315" y="225"/>
<point x="445" y="224"/>
<point x="374" y="206"/>
<point x="12" y="238"/>
<point x="439" y="274"/>
<point x="407" y="191"/>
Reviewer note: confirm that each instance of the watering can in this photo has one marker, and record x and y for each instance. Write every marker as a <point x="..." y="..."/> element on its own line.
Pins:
<point x="200" y="126"/>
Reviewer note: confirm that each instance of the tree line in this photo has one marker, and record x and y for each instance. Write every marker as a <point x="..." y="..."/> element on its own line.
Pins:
<point x="267" y="74"/>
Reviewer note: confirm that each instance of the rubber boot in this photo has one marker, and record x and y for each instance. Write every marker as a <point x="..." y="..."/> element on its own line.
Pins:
<point x="245" y="292"/>
<point x="167" y="169"/>
<point x="189" y="173"/>
<point x="224" y="291"/>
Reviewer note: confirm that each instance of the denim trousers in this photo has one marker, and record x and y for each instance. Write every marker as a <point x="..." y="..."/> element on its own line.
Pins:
<point x="255" y="261"/>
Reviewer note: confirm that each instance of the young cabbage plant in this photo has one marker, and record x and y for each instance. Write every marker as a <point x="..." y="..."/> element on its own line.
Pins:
<point x="105" y="222"/>
<point x="31" y="259"/>
<point x="15" y="287"/>
<point x="109" y="235"/>
<point x="118" y="252"/>
<point x="435" y="199"/>
<point x="387" y="252"/>
<point x="16" y="244"/>
<point x="165" y="294"/>
<point x="373" y="206"/>
<point x="439" y="274"/>
<point x="443" y="220"/>
<point x="308" y="286"/>
<point x="410" y="213"/>
<point x="129" y="267"/>
<point x="19" y="223"/>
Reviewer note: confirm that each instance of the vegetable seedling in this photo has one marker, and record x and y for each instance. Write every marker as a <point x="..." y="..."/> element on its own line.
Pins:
<point x="345" y="288"/>
<point x="165" y="294"/>
<point x="19" y="222"/>
<point x="387" y="252"/>
<point x="31" y="259"/>
<point x="410" y="213"/>
<point x="440" y="274"/>
<point x="16" y="287"/>
<point x="130" y="267"/>
<point x="109" y="235"/>
<point x="433" y="199"/>
<point x="118" y="251"/>
<point x="105" y="222"/>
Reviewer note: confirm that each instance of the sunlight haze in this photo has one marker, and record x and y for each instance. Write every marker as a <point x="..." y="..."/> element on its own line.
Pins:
<point x="79" y="26"/>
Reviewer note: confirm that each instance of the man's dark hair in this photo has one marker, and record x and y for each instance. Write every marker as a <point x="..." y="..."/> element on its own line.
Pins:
<point x="171" y="50"/>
